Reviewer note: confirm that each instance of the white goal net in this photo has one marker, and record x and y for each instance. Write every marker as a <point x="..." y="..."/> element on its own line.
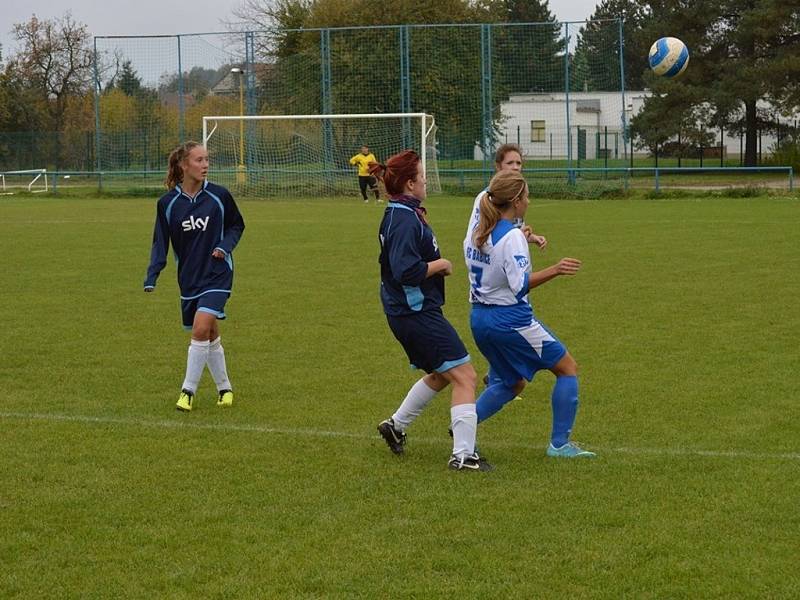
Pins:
<point x="27" y="180"/>
<point x="309" y="155"/>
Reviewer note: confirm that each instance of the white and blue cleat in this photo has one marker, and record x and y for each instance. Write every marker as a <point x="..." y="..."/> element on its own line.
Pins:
<point x="569" y="450"/>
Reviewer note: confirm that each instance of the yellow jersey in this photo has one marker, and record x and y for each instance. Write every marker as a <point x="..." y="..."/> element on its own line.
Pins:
<point x="363" y="160"/>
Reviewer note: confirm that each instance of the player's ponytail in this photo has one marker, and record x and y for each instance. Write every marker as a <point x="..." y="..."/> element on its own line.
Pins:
<point x="176" y="157"/>
<point x="504" y="188"/>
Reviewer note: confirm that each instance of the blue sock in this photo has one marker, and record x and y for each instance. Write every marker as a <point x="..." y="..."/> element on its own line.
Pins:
<point x="565" y="407"/>
<point x="492" y="400"/>
<point x="493" y="377"/>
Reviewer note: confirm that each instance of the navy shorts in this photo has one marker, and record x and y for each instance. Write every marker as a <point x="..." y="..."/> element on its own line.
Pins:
<point x="212" y="303"/>
<point x="429" y="340"/>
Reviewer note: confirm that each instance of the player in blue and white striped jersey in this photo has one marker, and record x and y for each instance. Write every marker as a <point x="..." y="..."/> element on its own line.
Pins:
<point x="506" y="331"/>
<point x="506" y="157"/>
<point x="204" y="225"/>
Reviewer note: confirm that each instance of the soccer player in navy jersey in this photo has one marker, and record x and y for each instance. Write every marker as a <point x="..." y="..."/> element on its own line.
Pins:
<point x="203" y="224"/>
<point x="412" y="293"/>
<point x="506" y="331"/>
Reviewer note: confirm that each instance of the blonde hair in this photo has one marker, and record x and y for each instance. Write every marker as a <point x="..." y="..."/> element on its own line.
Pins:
<point x="176" y="157"/>
<point x="504" y="188"/>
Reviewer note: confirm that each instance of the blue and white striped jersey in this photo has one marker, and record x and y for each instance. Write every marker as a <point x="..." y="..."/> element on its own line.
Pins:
<point x="500" y="270"/>
<point x="196" y="227"/>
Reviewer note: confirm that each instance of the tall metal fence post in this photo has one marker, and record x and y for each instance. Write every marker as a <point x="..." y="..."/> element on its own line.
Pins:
<point x="327" y="102"/>
<point x="405" y="83"/>
<point x="487" y="145"/>
<point x="570" y="172"/>
<point x="250" y="88"/>
<point x="180" y="93"/>
<point x="96" y="109"/>
<point x="622" y="82"/>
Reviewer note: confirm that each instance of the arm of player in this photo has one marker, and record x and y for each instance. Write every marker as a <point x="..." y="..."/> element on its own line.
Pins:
<point x="405" y="260"/>
<point x="158" y="252"/>
<point x="566" y="266"/>
<point x="538" y="240"/>
<point x="232" y="231"/>
<point x="440" y="266"/>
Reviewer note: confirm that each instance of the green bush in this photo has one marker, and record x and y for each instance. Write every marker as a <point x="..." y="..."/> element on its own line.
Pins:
<point x="786" y="154"/>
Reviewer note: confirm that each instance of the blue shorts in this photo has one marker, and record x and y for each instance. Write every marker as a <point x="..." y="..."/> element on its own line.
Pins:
<point x="429" y="340"/>
<point x="515" y="351"/>
<point x="212" y="303"/>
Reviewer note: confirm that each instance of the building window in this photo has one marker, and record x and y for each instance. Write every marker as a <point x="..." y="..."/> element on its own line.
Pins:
<point x="537" y="131"/>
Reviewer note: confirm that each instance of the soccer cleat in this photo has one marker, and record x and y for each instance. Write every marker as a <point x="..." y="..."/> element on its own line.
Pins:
<point x="394" y="438"/>
<point x="225" y="398"/>
<point x="472" y="462"/>
<point x="185" y="401"/>
<point x="569" y="450"/>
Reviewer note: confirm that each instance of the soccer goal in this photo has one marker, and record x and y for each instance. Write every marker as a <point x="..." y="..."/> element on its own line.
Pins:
<point x="309" y="155"/>
<point x="32" y="180"/>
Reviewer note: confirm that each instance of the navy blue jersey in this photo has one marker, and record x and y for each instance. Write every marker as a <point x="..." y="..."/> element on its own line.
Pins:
<point x="196" y="227"/>
<point x="407" y="246"/>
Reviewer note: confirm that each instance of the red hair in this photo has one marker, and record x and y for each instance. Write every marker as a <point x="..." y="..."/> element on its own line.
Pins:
<point x="398" y="169"/>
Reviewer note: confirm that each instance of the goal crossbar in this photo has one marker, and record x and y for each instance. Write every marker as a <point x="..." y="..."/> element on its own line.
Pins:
<point x="423" y="117"/>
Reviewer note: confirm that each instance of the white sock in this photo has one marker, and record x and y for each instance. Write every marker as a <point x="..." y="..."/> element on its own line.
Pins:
<point x="216" y="364"/>
<point x="417" y="399"/>
<point x="464" y="425"/>
<point x="195" y="363"/>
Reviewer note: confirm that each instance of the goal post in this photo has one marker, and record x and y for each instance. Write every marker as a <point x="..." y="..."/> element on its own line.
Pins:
<point x="31" y="180"/>
<point x="309" y="155"/>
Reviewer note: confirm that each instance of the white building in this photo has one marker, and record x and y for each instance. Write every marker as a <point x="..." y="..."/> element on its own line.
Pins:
<point x="538" y="123"/>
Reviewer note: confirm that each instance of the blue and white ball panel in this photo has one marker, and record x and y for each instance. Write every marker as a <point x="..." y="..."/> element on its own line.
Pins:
<point x="669" y="57"/>
<point x="210" y="302"/>
<point x="515" y="354"/>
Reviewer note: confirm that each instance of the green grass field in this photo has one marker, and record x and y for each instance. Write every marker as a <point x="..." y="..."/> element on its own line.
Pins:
<point x="684" y="321"/>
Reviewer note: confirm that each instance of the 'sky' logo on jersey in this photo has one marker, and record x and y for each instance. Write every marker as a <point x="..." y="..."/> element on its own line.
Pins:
<point x="192" y="223"/>
<point x="522" y="261"/>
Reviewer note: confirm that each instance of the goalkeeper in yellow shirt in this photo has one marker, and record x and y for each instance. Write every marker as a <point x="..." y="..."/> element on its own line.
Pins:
<point x="365" y="180"/>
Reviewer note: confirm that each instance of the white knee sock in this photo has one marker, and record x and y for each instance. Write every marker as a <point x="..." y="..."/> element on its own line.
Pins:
<point x="464" y="425"/>
<point x="415" y="401"/>
<point x="195" y="363"/>
<point x="216" y="364"/>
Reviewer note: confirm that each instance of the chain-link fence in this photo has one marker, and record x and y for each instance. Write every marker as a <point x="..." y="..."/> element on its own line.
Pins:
<point x="554" y="88"/>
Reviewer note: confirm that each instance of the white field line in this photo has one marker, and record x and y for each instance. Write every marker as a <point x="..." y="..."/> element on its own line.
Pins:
<point x="156" y="424"/>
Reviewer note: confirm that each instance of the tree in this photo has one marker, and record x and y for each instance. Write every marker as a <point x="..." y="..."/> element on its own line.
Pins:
<point x="197" y="82"/>
<point x="128" y="80"/>
<point x="742" y="52"/>
<point x="55" y="61"/>
<point x="365" y="63"/>
<point x="529" y="58"/>
<point x="597" y="59"/>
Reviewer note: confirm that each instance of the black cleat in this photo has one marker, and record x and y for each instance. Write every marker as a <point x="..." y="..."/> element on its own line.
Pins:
<point x="395" y="438"/>
<point x="469" y="463"/>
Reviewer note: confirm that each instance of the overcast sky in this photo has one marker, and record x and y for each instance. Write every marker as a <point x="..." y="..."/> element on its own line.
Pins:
<point x="154" y="17"/>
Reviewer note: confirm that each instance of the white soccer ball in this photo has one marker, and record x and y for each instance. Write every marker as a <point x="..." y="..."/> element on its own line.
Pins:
<point x="669" y="57"/>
